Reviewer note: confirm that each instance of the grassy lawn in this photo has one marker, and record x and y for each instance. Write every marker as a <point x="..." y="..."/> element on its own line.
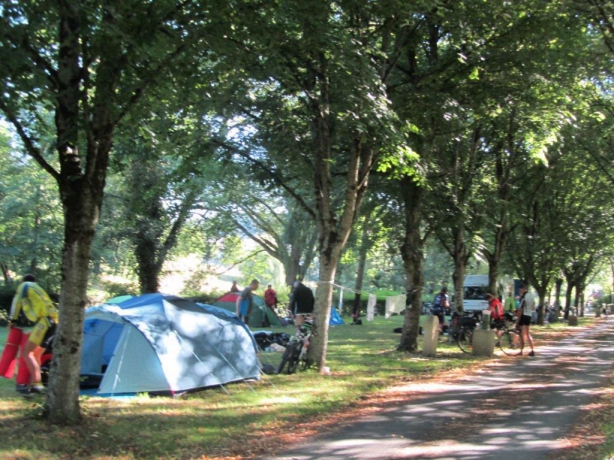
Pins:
<point x="245" y="419"/>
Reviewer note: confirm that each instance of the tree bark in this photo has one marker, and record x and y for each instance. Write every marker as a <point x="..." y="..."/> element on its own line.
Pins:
<point x="541" y="292"/>
<point x="323" y="302"/>
<point x="81" y="211"/>
<point x="6" y="274"/>
<point x="460" y="257"/>
<point x="557" y="295"/>
<point x="365" y="246"/>
<point x="412" y="253"/>
<point x="568" y="299"/>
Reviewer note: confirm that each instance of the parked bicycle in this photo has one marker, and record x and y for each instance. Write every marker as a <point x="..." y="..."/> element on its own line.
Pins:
<point x="461" y="329"/>
<point x="506" y="336"/>
<point x="552" y="314"/>
<point x="509" y="336"/>
<point x="295" y="355"/>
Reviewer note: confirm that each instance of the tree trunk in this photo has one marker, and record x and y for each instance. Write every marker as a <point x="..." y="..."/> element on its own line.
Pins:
<point x="6" y="274"/>
<point x="299" y="260"/>
<point x="568" y="300"/>
<point x="362" y="264"/>
<point x="148" y="269"/>
<point x="541" y="292"/>
<point x="333" y="228"/>
<point x="557" y="295"/>
<point x="460" y="265"/>
<point x="501" y="231"/>
<point x="81" y="208"/>
<point x="412" y="252"/>
<point x="294" y="266"/>
<point x="323" y="302"/>
<point x="493" y="276"/>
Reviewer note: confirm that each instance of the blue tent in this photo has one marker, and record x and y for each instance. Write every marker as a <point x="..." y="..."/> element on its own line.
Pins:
<point x="161" y="343"/>
<point x="335" y="318"/>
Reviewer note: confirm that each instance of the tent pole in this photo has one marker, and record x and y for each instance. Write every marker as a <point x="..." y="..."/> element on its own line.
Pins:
<point x="121" y="361"/>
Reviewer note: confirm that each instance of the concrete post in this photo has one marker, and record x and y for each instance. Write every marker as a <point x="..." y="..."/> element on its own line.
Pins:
<point x="485" y="320"/>
<point x="431" y="336"/>
<point x="483" y="342"/>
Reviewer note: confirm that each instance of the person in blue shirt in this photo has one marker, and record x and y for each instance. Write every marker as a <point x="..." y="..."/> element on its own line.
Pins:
<point x="245" y="301"/>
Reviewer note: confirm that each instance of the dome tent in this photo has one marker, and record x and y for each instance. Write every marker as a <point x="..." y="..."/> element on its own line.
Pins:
<point x="259" y="316"/>
<point x="161" y="343"/>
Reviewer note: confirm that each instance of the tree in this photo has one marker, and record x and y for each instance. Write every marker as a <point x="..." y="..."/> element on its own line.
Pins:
<point x="165" y="167"/>
<point x="267" y="217"/>
<point x="89" y="64"/>
<point x="319" y="57"/>
<point x="461" y="62"/>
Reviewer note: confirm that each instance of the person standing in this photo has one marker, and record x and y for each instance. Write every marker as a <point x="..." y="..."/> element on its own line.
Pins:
<point x="245" y="301"/>
<point x="34" y="302"/>
<point x="525" y="315"/>
<point x="302" y="302"/>
<point x="234" y="287"/>
<point x="270" y="297"/>
<point x="440" y="303"/>
<point x="497" y="318"/>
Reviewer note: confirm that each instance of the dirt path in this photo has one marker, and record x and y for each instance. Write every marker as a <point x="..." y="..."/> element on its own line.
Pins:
<point x="512" y="408"/>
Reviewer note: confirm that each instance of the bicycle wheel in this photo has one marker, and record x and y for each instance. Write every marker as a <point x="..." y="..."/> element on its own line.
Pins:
<point x="293" y="358"/>
<point x="465" y="340"/>
<point x="286" y="357"/>
<point x="509" y="342"/>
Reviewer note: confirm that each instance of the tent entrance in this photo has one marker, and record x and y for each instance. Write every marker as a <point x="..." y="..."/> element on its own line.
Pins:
<point x="110" y="348"/>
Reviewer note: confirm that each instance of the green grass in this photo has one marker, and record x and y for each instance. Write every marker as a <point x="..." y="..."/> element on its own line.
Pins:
<point x="211" y="423"/>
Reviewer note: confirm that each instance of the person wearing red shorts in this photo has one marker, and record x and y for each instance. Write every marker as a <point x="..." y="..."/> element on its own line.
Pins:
<point x="33" y="301"/>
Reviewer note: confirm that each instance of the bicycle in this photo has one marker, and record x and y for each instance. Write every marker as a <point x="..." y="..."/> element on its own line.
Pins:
<point x="506" y="338"/>
<point x="461" y="330"/>
<point x="509" y="337"/>
<point x="296" y="351"/>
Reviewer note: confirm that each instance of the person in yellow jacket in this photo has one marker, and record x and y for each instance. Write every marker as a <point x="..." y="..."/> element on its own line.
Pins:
<point x="34" y="302"/>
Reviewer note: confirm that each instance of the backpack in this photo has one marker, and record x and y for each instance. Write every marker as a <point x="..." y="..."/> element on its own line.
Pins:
<point x="437" y="303"/>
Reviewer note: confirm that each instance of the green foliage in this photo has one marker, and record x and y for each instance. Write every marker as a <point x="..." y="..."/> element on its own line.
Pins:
<point x="30" y="217"/>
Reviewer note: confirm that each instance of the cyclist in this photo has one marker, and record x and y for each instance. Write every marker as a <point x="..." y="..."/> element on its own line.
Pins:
<point x="497" y="318"/>
<point x="36" y="305"/>
<point x="440" y="303"/>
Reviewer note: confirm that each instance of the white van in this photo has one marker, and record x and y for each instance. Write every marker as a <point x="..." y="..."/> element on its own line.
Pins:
<point x="474" y="293"/>
<point x="475" y="288"/>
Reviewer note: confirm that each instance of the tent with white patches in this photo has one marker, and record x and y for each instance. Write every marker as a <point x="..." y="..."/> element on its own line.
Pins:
<point x="161" y="343"/>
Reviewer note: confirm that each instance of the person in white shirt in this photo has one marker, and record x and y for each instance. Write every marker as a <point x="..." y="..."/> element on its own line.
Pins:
<point x="525" y="315"/>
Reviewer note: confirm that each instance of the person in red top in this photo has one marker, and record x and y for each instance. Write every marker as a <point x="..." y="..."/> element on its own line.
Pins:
<point x="270" y="297"/>
<point x="497" y="318"/>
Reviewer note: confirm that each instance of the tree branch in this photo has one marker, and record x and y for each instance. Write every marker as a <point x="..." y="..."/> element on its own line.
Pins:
<point x="31" y="149"/>
<point x="274" y="175"/>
